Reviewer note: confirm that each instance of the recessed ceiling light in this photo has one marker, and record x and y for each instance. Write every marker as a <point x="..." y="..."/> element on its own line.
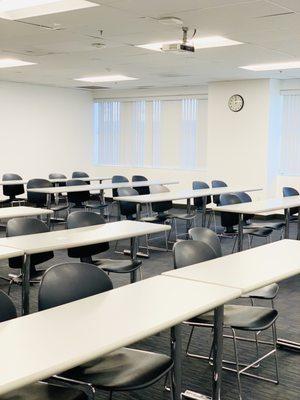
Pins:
<point x="106" y="78"/>
<point x="273" y="66"/>
<point x="19" y="9"/>
<point x="13" y="62"/>
<point x="198" y="43"/>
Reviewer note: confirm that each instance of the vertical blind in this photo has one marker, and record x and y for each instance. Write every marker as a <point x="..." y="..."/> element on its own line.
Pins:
<point x="290" y="142"/>
<point x="156" y="133"/>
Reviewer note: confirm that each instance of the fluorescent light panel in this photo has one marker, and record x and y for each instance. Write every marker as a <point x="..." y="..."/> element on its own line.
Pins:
<point x="199" y="43"/>
<point x="273" y="66"/>
<point x="19" y="9"/>
<point x="13" y="62"/>
<point x="106" y="78"/>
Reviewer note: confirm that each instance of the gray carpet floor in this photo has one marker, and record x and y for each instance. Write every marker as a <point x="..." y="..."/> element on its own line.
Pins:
<point x="197" y="373"/>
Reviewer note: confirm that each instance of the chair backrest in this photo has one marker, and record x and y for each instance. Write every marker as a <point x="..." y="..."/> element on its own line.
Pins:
<point x="205" y="235"/>
<point x="143" y="189"/>
<point x="118" y="179"/>
<point x="77" y="197"/>
<point x="217" y="184"/>
<point x="7" y="308"/>
<point x="38" y="199"/>
<point x="69" y="282"/>
<point x="12" y="190"/>
<point x="80" y="174"/>
<point x="189" y="252"/>
<point x="162" y="206"/>
<point x="245" y="198"/>
<point x="198" y="201"/>
<point x="228" y="220"/>
<point x="27" y="226"/>
<point x="289" y="192"/>
<point x="126" y="208"/>
<point x="58" y="176"/>
<point x="79" y="219"/>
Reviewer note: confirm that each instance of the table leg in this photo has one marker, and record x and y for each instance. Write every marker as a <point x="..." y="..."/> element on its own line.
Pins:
<point x="240" y="233"/>
<point x="135" y="276"/>
<point x="287" y="223"/>
<point x="298" y="227"/>
<point x="25" y="284"/>
<point x="176" y="356"/>
<point x="217" y="352"/>
<point x="48" y="205"/>
<point x="204" y="203"/>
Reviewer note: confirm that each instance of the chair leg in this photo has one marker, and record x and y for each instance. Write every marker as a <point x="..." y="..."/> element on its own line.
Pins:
<point x="9" y="286"/>
<point x="234" y="244"/>
<point x="110" y="396"/>
<point x="237" y="364"/>
<point x="189" y="341"/>
<point x="274" y="333"/>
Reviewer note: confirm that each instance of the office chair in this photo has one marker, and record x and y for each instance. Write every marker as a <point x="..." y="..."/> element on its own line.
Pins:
<point x="80" y="174"/>
<point x="83" y="198"/>
<point x="143" y="189"/>
<point x="198" y="201"/>
<point x="40" y="390"/>
<point x="13" y="190"/>
<point x="26" y="226"/>
<point x="217" y="184"/>
<point x="123" y="370"/>
<point x="79" y="219"/>
<point x="250" y="319"/>
<point x="55" y="175"/>
<point x="289" y="192"/>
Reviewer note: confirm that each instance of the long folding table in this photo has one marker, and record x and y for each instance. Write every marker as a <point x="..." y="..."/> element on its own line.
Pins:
<point x="58" y="180"/>
<point x="22" y="211"/>
<point x="69" y="335"/>
<point x="65" y="239"/>
<point x="249" y="270"/>
<point x="182" y="195"/>
<point x="263" y="206"/>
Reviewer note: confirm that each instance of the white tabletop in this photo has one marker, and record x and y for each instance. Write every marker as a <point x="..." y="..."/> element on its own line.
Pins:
<point x="262" y="206"/>
<point x="14" y="182"/>
<point x="90" y="178"/>
<point x="9" y="252"/>
<point x="22" y="211"/>
<point x="186" y="194"/>
<point x="64" y="239"/>
<point x="66" y="336"/>
<point x="248" y="270"/>
<point x="101" y="186"/>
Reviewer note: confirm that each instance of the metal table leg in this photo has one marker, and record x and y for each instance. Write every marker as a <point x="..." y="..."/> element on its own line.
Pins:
<point x="298" y="227"/>
<point x="135" y="276"/>
<point x="176" y="356"/>
<point x="25" y="284"/>
<point x="204" y="203"/>
<point x="287" y="223"/>
<point x="240" y="233"/>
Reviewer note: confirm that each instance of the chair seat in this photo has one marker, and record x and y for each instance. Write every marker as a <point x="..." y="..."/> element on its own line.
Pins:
<point x="94" y="204"/>
<point x="246" y="318"/>
<point x="261" y="232"/>
<point x="42" y="391"/>
<point x="124" y="369"/>
<point x="59" y="207"/>
<point x="184" y="216"/>
<point x="118" y="266"/>
<point x="268" y="292"/>
<point x="268" y="225"/>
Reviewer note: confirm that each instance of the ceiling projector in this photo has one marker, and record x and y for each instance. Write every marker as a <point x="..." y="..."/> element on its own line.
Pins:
<point x="183" y="47"/>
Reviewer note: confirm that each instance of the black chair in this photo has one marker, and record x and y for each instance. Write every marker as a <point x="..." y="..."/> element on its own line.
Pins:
<point x="79" y="219"/>
<point x="289" y="192"/>
<point x="58" y="176"/>
<point x="36" y="391"/>
<point x="80" y="174"/>
<point x="217" y="184"/>
<point x="26" y="226"/>
<point x="142" y="189"/>
<point x="118" y="179"/>
<point x="123" y="370"/>
<point x="230" y="220"/>
<point x="13" y="190"/>
<point x="40" y="199"/>
<point x="198" y="201"/>
<point x="83" y="198"/>
<point x="236" y="317"/>
<point x="275" y="226"/>
<point x="207" y="236"/>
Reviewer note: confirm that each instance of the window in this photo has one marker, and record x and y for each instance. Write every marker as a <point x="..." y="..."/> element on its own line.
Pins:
<point x="290" y="145"/>
<point x="159" y="133"/>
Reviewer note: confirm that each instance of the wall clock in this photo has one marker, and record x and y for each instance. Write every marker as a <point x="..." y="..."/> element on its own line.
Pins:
<point x="236" y="103"/>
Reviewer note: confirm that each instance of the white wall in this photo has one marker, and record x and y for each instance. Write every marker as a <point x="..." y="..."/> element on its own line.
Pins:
<point x="44" y="129"/>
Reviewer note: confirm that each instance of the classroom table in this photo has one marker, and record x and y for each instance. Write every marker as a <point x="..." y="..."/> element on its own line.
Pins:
<point x="182" y="195"/>
<point x="65" y="239"/>
<point x="69" y="335"/>
<point x="249" y="270"/>
<point x="23" y="211"/>
<point x="58" y="180"/>
<point x="262" y="206"/>
<point x="97" y="187"/>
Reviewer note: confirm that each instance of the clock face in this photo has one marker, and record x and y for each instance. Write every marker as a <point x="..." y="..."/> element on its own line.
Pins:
<point x="236" y="103"/>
